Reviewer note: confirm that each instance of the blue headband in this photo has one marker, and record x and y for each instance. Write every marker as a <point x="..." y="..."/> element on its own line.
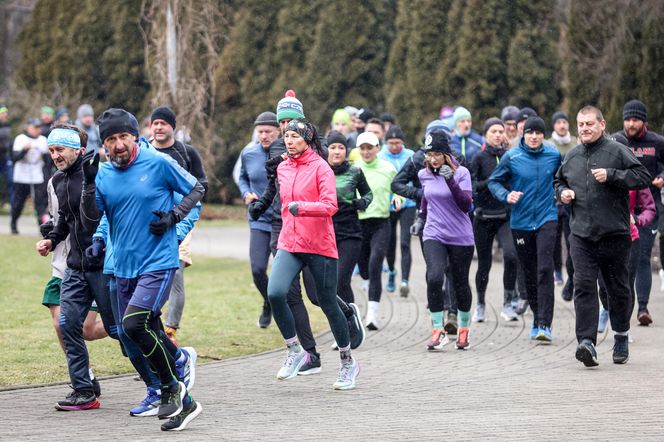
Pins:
<point x="65" y="138"/>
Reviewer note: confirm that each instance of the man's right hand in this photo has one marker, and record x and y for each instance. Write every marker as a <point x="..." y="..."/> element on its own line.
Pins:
<point x="250" y="197"/>
<point x="566" y="196"/>
<point x="44" y="247"/>
<point x="513" y="197"/>
<point x="90" y="166"/>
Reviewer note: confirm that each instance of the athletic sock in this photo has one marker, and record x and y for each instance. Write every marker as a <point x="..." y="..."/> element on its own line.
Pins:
<point x="622" y="333"/>
<point x="437" y="320"/>
<point x="291" y="341"/>
<point x="344" y="353"/>
<point x="464" y="318"/>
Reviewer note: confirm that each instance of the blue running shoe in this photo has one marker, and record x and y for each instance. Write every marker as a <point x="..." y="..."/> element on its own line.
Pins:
<point x="391" y="287"/>
<point x="603" y="320"/>
<point x="544" y="335"/>
<point x="186" y="369"/>
<point x="533" y="332"/>
<point x="149" y="406"/>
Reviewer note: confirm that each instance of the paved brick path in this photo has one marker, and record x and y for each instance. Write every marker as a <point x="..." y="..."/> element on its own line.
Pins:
<point x="504" y="387"/>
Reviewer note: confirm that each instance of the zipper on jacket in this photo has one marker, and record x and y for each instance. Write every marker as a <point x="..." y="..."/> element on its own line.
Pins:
<point x="75" y="226"/>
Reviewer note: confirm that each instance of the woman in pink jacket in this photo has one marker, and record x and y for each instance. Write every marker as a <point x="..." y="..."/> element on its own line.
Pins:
<point x="307" y="188"/>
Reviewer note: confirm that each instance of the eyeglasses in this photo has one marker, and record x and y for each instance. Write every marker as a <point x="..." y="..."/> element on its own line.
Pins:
<point x="434" y="155"/>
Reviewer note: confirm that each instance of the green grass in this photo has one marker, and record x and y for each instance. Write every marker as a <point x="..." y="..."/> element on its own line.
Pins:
<point x="219" y="320"/>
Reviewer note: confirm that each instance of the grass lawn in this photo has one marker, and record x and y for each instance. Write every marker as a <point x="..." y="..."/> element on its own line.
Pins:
<point x="219" y="320"/>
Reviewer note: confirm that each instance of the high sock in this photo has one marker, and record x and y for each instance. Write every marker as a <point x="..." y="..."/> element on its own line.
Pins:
<point x="464" y="318"/>
<point x="437" y="320"/>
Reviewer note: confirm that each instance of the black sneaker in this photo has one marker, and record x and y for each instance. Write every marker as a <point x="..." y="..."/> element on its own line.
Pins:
<point x="621" y="349"/>
<point x="78" y="400"/>
<point x="585" y="352"/>
<point x="179" y="422"/>
<point x="96" y="388"/>
<point x="355" y="327"/>
<point x="171" y="401"/>
<point x="312" y="366"/>
<point x="13" y="228"/>
<point x="265" y="318"/>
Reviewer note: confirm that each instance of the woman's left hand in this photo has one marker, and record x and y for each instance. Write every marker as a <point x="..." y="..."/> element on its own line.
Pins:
<point x="292" y="208"/>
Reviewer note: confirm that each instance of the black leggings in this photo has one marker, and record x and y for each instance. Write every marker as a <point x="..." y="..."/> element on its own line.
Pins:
<point x="144" y="328"/>
<point x="39" y="196"/>
<point x="375" y="237"/>
<point x="405" y="218"/>
<point x="259" y="255"/>
<point x="438" y="256"/>
<point x="349" y="250"/>
<point x="535" y="249"/>
<point x="485" y="231"/>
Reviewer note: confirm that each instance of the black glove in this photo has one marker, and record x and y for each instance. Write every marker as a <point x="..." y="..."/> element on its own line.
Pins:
<point x="256" y="209"/>
<point x="90" y="166"/>
<point x="46" y="228"/>
<point x="359" y="204"/>
<point x="96" y="250"/>
<point x="292" y="208"/>
<point x="166" y="220"/>
<point x="417" y="227"/>
<point x="272" y="164"/>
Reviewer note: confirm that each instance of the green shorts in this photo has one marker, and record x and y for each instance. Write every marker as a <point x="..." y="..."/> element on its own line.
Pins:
<point x="52" y="294"/>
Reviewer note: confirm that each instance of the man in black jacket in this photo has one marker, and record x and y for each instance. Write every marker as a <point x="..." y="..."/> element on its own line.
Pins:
<point x="83" y="281"/>
<point x="6" y="151"/>
<point x="648" y="147"/>
<point x="595" y="180"/>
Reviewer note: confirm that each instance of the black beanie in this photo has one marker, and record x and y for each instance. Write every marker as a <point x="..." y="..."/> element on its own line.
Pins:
<point x="267" y="119"/>
<point x="394" y="132"/>
<point x="534" y="124"/>
<point x="492" y="122"/>
<point x="164" y="113"/>
<point x="386" y="116"/>
<point x="365" y="115"/>
<point x="558" y="116"/>
<point x="337" y="137"/>
<point x="635" y="109"/>
<point x="437" y="141"/>
<point x="525" y="113"/>
<point x="113" y="121"/>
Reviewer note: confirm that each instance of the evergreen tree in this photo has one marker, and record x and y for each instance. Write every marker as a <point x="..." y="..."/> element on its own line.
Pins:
<point x="534" y="68"/>
<point x="650" y="71"/>
<point x="449" y="75"/>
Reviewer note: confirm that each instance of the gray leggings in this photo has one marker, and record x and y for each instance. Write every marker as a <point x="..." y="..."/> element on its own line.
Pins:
<point x="176" y="299"/>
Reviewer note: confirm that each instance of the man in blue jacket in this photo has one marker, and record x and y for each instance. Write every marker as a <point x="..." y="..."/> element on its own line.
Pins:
<point x="253" y="182"/>
<point x="524" y="179"/>
<point x="465" y="142"/>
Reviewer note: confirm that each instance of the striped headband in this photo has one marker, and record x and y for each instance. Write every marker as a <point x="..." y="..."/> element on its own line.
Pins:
<point x="65" y="138"/>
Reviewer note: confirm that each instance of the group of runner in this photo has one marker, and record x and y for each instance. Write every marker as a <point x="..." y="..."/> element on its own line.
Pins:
<point x="324" y="205"/>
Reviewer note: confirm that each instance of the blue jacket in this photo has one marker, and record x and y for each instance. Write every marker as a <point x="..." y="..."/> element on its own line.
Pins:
<point x="529" y="171"/>
<point x="467" y="146"/>
<point x="253" y="178"/>
<point x="398" y="162"/>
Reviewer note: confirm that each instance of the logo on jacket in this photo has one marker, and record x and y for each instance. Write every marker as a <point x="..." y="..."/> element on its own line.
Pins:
<point x="144" y="178"/>
<point x="521" y="242"/>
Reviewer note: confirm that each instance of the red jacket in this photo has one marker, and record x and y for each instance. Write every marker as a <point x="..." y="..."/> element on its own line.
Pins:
<point x="309" y="181"/>
<point x="644" y="201"/>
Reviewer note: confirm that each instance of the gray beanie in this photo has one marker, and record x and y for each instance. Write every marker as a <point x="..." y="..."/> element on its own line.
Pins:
<point x="85" y="110"/>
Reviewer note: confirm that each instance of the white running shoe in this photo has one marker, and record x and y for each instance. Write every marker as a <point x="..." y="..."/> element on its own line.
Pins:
<point x="661" y="280"/>
<point x="373" y="310"/>
<point x="296" y="357"/>
<point x="348" y="372"/>
<point x="479" y="315"/>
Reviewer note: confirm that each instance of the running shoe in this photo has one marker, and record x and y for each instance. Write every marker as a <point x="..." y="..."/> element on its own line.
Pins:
<point x="390" y="287"/>
<point x="534" y="329"/>
<point x="355" y="327"/>
<point x="171" y="401"/>
<point x="371" y="321"/>
<point x="451" y="325"/>
<point x="603" y="320"/>
<point x="78" y="400"/>
<point x="265" y="318"/>
<point x="462" y="341"/>
<point x="661" y="280"/>
<point x="508" y="313"/>
<point x="621" y="349"/>
<point x="348" y="372"/>
<point x="644" y="317"/>
<point x="334" y="346"/>
<point x="294" y="361"/>
<point x="558" y="278"/>
<point x="480" y="313"/>
<point x="544" y="335"/>
<point x="438" y="340"/>
<point x="404" y="290"/>
<point x="186" y="369"/>
<point x="521" y="306"/>
<point x="311" y="366"/>
<point x="585" y="352"/>
<point x="179" y="422"/>
<point x="148" y="406"/>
